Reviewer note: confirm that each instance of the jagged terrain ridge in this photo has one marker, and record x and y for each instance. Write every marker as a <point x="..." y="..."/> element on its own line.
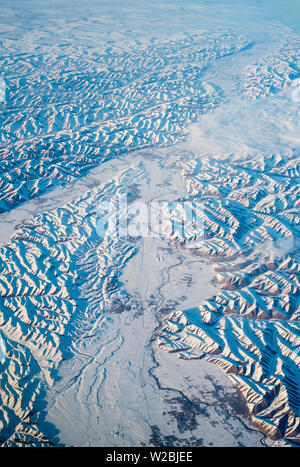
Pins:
<point x="77" y="96"/>
<point x="67" y="113"/>
<point x="56" y="277"/>
<point x="251" y="328"/>
<point x="272" y="73"/>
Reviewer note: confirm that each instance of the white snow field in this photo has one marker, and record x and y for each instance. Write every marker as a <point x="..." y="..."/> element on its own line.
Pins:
<point x="181" y="337"/>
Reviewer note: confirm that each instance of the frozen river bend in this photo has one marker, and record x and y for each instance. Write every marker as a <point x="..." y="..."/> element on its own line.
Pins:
<point x="185" y="330"/>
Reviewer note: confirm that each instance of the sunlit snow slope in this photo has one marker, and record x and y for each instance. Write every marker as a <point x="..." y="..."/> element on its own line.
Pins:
<point x="194" y="102"/>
